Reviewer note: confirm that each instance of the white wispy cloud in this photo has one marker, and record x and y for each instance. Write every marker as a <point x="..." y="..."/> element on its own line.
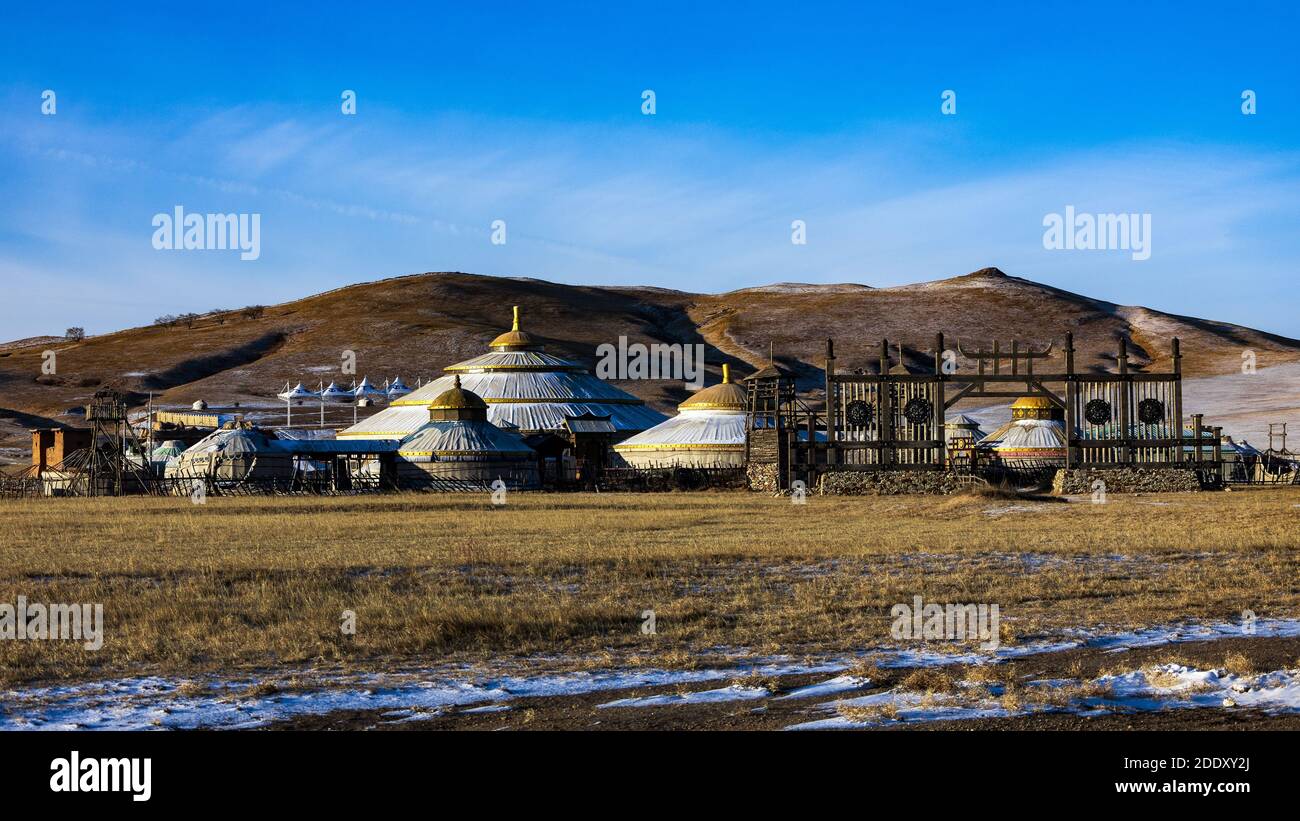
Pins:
<point x="345" y="199"/>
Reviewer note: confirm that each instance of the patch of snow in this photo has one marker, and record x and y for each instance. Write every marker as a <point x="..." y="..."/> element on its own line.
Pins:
<point x="153" y="702"/>
<point x="735" y="692"/>
<point x="839" y="684"/>
<point x="1163" y="687"/>
<point x="1005" y="509"/>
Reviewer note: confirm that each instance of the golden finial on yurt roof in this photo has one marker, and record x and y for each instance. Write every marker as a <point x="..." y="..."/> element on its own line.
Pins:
<point x="726" y="395"/>
<point x="457" y="398"/>
<point x="514" y="339"/>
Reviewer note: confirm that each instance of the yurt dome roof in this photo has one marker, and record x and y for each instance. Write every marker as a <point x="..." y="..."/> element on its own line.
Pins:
<point x="457" y="398"/>
<point x="1031" y="402"/>
<point x="234" y="441"/>
<point x="705" y="431"/>
<point x="726" y="395"/>
<point x="471" y="439"/>
<point x="1035" y="407"/>
<point x="523" y="386"/>
<point x="167" y="450"/>
<point x="712" y="419"/>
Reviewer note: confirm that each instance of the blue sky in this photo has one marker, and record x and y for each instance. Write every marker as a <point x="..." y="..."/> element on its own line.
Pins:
<point x="531" y="114"/>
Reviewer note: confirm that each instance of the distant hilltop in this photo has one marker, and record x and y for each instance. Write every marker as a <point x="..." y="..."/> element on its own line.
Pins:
<point x="412" y="326"/>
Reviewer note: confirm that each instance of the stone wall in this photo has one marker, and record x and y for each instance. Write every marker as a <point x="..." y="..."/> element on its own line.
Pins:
<point x="891" y="482"/>
<point x="1078" y="481"/>
<point x="762" y="478"/>
<point x="765" y="446"/>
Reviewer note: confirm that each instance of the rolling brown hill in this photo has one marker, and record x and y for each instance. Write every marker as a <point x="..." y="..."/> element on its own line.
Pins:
<point x="413" y="326"/>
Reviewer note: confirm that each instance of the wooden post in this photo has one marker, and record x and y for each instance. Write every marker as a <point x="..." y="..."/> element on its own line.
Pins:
<point x="810" y="471"/>
<point x="941" y="432"/>
<point x="831" y="425"/>
<point x="1126" y="397"/>
<point x="1178" y="400"/>
<point x="1071" y="399"/>
<point x="886" y="423"/>
<point x="1196" y="436"/>
<point x="1218" y="454"/>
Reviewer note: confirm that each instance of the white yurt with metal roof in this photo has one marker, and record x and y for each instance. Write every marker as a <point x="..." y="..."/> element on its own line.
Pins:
<point x="522" y="386"/>
<point x="457" y="443"/>
<point x="233" y="454"/>
<point x="709" y="431"/>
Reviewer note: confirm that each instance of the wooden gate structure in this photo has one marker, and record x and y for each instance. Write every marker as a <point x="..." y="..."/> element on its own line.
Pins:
<point x="894" y="419"/>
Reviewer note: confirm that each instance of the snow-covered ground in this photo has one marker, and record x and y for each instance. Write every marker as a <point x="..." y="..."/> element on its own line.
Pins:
<point x="1161" y="687"/>
<point x="229" y="703"/>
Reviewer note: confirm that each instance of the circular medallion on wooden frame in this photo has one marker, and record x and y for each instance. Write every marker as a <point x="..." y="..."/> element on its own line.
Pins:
<point x="1097" y="412"/>
<point x="859" y="413"/>
<point x="1150" y="411"/>
<point x="919" y="411"/>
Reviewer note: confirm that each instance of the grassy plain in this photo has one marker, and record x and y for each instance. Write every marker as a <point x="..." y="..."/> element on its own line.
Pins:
<point x="242" y="584"/>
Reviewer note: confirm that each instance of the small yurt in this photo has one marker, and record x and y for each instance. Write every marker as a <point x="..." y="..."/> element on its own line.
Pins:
<point x="708" y="432"/>
<point x="234" y="454"/>
<point x="164" y="453"/>
<point x="963" y="431"/>
<point x="962" y="434"/>
<point x="458" y="443"/>
<point x="1035" y="434"/>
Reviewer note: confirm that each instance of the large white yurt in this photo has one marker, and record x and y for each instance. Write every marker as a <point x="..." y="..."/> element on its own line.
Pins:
<point x="524" y="387"/>
<point x="1035" y="434"/>
<point x="708" y="432"/>
<point x="458" y="443"/>
<point x="233" y="454"/>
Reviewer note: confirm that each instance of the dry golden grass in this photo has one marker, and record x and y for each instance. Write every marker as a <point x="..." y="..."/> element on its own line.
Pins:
<point x="929" y="680"/>
<point x="243" y="583"/>
<point x="1239" y="664"/>
<point x="869" y="713"/>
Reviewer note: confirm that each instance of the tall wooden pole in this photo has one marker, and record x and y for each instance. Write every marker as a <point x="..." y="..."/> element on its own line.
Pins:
<point x="1071" y="400"/>
<point x="831" y="423"/>
<point x="1126" y="399"/>
<point x="1197" y="420"/>
<point x="941" y="433"/>
<point x="886" y="424"/>
<point x="1178" y="400"/>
